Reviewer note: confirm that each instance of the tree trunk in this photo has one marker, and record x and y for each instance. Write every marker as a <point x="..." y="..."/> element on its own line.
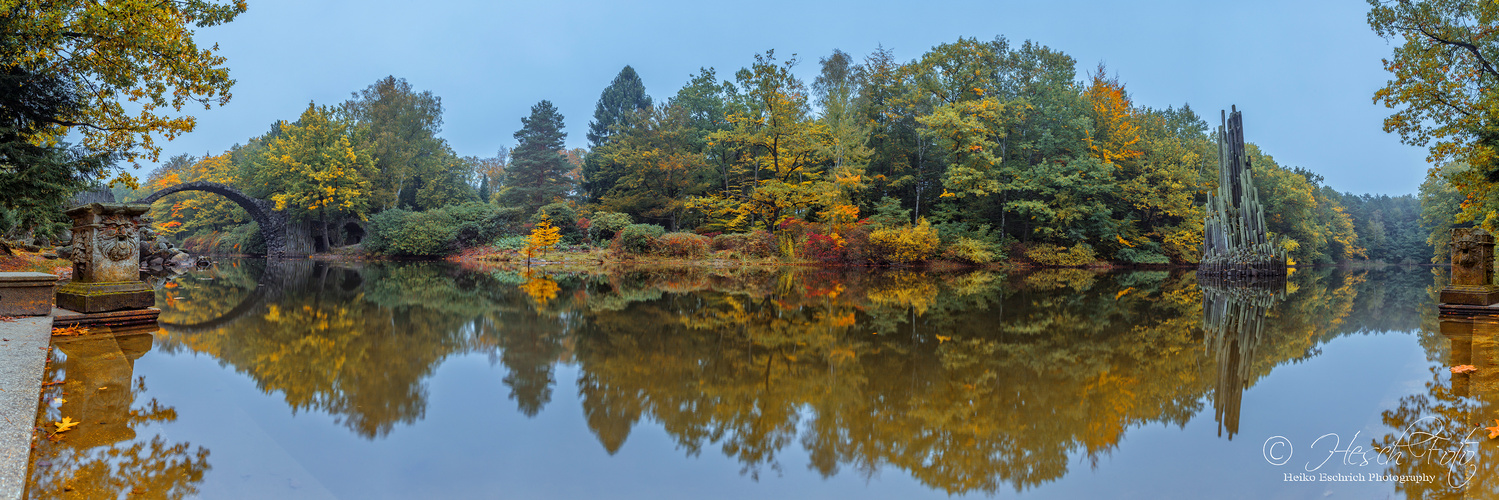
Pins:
<point x="323" y="221"/>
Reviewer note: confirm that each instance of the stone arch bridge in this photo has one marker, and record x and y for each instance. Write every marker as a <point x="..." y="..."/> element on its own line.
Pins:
<point x="283" y="238"/>
<point x="273" y="224"/>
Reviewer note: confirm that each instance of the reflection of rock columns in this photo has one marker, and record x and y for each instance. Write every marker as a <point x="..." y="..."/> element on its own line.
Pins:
<point x="1233" y="317"/>
<point x="99" y="389"/>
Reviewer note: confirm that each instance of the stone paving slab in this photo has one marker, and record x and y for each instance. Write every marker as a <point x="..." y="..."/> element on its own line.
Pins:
<point x="23" y="345"/>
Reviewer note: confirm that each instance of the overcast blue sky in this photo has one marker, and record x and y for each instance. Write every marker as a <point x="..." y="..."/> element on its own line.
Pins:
<point x="1302" y="72"/>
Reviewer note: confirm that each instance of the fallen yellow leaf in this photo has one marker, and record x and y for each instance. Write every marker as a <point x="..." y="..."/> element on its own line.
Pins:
<point x="943" y="338"/>
<point x="1464" y="369"/>
<point x="68" y="331"/>
<point x="66" y="424"/>
<point x="1493" y="431"/>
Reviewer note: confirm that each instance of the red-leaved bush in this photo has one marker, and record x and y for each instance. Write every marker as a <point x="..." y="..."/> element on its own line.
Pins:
<point x="683" y="245"/>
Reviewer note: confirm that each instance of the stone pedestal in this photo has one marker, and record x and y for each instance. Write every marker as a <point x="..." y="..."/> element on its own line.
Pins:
<point x="1472" y="269"/>
<point x="26" y="294"/>
<point x="106" y="260"/>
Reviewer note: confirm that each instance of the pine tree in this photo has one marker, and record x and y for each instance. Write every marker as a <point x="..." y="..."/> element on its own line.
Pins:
<point x="617" y="105"/>
<point x="538" y="171"/>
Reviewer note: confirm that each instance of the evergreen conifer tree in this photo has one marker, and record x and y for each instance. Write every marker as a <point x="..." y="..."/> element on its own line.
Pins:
<point x="617" y="107"/>
<point x="538" y="171"/>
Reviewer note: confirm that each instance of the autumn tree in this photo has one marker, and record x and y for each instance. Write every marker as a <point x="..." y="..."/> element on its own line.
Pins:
<point x="1165" y="186"/>
<point x="543" y="236"/>
<point x="706" y="102"/>
<point x="889" y="105"/>
<point x="659" y="166"/>
<point x="134" y="65"/>
<point x="837" y="89"/>
<point x="398" y="126"/>
<point x="1443" y="75"/>
<point x="1116" y="129"/>
<point x="491" y="171"/>
<point x="39" y="175"/>
<point x="537" y="173"/>
<point x="1310" y="219"/>
<point x="315" y="171"/>
<point x="779" y="150"/>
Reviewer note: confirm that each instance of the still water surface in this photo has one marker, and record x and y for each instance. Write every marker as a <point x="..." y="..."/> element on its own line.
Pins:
<point x="302" y="379"/>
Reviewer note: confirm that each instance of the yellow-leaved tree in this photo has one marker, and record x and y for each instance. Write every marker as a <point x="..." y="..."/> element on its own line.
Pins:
<point x="1443" y="72"/>
<point x="134" y="65"/>
<point x="543" y="236"/>
<point x="311" y="169"/>
<point x="780" y="154"/>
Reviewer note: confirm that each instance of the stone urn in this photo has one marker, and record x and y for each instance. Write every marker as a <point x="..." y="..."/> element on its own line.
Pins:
<point x="105" y="251"/>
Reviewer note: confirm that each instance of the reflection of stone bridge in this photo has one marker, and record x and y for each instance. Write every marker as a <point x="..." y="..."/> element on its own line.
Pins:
<point x="277" y="277"/>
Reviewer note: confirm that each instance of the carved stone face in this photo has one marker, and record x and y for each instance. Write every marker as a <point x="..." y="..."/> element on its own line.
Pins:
<point x="106" y="247"/>
<point x="1472" y="257"/>
<point x="117" y="238"/>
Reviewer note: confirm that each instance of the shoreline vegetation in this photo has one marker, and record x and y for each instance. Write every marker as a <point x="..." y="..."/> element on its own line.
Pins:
<point x="973" y="152"/>
<point x="976" y="153"/>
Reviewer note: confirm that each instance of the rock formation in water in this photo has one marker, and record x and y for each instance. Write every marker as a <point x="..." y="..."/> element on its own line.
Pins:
<point x="1235" y="242"/>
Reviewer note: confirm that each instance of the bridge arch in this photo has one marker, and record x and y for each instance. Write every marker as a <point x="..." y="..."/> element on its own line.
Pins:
<point x="273" y="224"/>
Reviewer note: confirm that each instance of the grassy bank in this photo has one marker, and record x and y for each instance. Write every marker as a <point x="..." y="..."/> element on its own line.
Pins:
<point x="23" y="261"/>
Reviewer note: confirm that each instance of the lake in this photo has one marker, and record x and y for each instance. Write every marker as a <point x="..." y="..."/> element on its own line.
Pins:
<point x="309" y="379"/>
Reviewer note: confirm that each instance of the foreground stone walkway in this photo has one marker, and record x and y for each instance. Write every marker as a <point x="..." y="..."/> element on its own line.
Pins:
<point x="23" y="357"/>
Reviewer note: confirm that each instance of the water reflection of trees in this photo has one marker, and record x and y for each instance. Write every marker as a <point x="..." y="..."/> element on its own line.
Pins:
<point x="104" y="456"/>
<point x="969" y="382"/>
<point x="1439" y="432"/>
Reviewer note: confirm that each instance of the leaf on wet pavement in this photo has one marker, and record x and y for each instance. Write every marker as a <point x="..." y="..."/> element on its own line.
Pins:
<point x="1464" y="369"/>
<point x="67" y="331"/>
<point x="1494" y="431"/>
<point x="65" y="424"/>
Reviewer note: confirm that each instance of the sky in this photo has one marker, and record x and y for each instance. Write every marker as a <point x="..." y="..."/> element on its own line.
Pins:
<point x="1303" y="73"/>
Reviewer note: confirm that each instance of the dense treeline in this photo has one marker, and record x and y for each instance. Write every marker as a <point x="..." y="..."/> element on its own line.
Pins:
<point x="975" y="151"/>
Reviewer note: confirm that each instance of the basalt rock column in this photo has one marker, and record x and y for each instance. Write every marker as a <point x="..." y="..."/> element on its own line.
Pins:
<point x="106" y="260"/>
<point x="1235" y="242"/>
<point x="1472" y="269"/>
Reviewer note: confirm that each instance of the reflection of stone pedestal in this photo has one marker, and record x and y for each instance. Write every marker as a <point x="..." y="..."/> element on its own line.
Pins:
<point x="106" y="260"/>
<point x="99" y="386"/>
<point x="1459" y="333"/>
<point x="1472" y="269"/>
